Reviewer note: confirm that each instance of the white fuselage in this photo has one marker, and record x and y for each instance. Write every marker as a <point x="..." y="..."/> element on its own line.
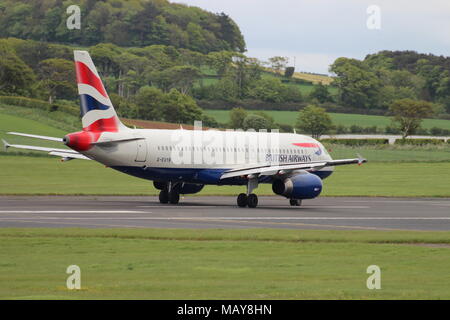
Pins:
<point x="183" y="150"/>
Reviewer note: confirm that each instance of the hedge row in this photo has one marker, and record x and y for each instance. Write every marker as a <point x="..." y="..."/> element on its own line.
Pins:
<point x="356" y="142"/>
<point x="419" y="142"/>
<point x="39" y="104"/>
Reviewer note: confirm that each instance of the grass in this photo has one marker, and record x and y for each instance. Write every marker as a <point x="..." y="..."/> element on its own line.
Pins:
<point x="392" y="171"/>
<point x="315" y="78"/>
<point x="222" y="264"/>
<point x="290" y="117"/>
<point x="35" y="121"/>
<point x="40" y="175"/>
<point x="396" y="153"/>
<point x="59" y="120"/>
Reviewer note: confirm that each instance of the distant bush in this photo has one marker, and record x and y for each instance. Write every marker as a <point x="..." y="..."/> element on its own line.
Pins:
<point x="359" y="129"/>
<point x="439" y="132"/>
<point x="289" y="72"/>
<point x="419" y="142"/>
<point x="356" y="142"/>
<point x="285" y="127"/>
<point x="391" y="130"/>
<point x="341" y="129"/>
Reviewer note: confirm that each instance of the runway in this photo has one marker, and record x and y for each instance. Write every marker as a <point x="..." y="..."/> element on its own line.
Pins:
<point x="222" y="212"/>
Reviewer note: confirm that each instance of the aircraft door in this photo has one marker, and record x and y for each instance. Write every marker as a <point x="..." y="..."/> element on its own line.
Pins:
<point x="141" y="155"/>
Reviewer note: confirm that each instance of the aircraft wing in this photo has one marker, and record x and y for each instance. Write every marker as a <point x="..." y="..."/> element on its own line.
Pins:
<point x="65" y="154"/>
<point x="269" y="170"/>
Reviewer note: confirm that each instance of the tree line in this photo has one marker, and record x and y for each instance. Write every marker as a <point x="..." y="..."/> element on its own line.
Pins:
<point x="122" y="22"/>
<point x="132" y="75"/>
<point x="380" y="79"/>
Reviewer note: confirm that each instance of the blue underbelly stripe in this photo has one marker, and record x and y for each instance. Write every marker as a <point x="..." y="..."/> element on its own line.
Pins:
<point x="194" y="175"/>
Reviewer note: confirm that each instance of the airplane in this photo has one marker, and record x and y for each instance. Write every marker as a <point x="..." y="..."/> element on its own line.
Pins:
<point x="294" y="164"/>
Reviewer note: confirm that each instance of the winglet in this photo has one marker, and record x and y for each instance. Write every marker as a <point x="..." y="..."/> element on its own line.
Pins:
<point x="361" y="160"/>
<point x="6" y="145"/>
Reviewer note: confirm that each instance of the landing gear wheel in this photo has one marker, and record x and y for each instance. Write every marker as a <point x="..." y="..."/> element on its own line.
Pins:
<point x="295" y="202"/>
<point x="242" y="200"/>
<point x="174" y="197"/>
<point x="163" y="196"/>
<point x="252" y="200"/>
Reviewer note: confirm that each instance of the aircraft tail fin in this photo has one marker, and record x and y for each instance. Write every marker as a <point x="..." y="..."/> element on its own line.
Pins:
<point x="97" y="111"/>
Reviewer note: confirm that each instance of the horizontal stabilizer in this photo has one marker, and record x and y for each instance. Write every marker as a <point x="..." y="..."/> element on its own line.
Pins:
<point x="64" y="153"/>
<point x="68" y="156"/>
<point x="35" y="136"/>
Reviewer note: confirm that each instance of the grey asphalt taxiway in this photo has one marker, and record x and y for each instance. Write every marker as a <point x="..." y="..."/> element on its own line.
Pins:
<point x="222" y="212"/>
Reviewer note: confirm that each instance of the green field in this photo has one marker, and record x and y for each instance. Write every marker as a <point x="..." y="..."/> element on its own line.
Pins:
<point x="35" y="121"/>
<point x="290" y="117"/>
<point x="391" y="171"/>
<point x="42" y="175"/>
<point x="393" y="153"/>
<point x="223" y="264"/>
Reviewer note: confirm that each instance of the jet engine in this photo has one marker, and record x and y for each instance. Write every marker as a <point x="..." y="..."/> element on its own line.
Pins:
<point x="299" y="186"/>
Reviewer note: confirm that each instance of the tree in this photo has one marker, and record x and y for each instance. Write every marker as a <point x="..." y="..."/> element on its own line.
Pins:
<point x="220" y="61"/>
<point x="358" y="86"/>
<point x="270" y="119"/>
<point x="237" y="116"/>
<point x="314" y="121"/>
<point x="246" y="71"/>
<point x="269" y="90"/>
<point x="182" y="77"/>
<point x="58" y="78"/>
<point x="231" y="33"/>
<point x="408" y="114"/>
<point x="273" y="90"/>
<point x="180" y="108"/>
<point x="278" y="64"/>
<point x="320" y="93"/>
<point x="15" y="76"/>
<point x="135" y="23"/>
<point x="148" y="101"/>
<point x="256" y="122"/>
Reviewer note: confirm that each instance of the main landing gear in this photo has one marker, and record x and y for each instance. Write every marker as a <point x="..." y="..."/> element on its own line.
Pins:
<point x="249" y="199"/>
<point x="169" y="194"/>
<point x="295" y="202"/>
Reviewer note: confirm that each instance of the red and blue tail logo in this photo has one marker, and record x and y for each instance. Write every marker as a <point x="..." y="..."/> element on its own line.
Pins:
<point x="97" y="111"/>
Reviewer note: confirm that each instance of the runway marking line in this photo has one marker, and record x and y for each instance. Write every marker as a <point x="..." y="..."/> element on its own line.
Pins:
<point x="227" y="222"/>
<point x="71" y="211"/>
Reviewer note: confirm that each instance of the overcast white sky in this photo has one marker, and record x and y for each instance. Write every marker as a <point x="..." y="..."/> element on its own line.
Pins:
<point x="316" y="32"/>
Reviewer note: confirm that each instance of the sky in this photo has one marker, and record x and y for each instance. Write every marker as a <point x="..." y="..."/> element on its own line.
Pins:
<point x="316" y="32"/>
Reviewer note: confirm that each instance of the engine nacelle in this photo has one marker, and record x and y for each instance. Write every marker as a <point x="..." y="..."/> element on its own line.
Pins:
<point x="190" y="188"/>
<point x="160" y="185"/>
<point x="300" y="186"/>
